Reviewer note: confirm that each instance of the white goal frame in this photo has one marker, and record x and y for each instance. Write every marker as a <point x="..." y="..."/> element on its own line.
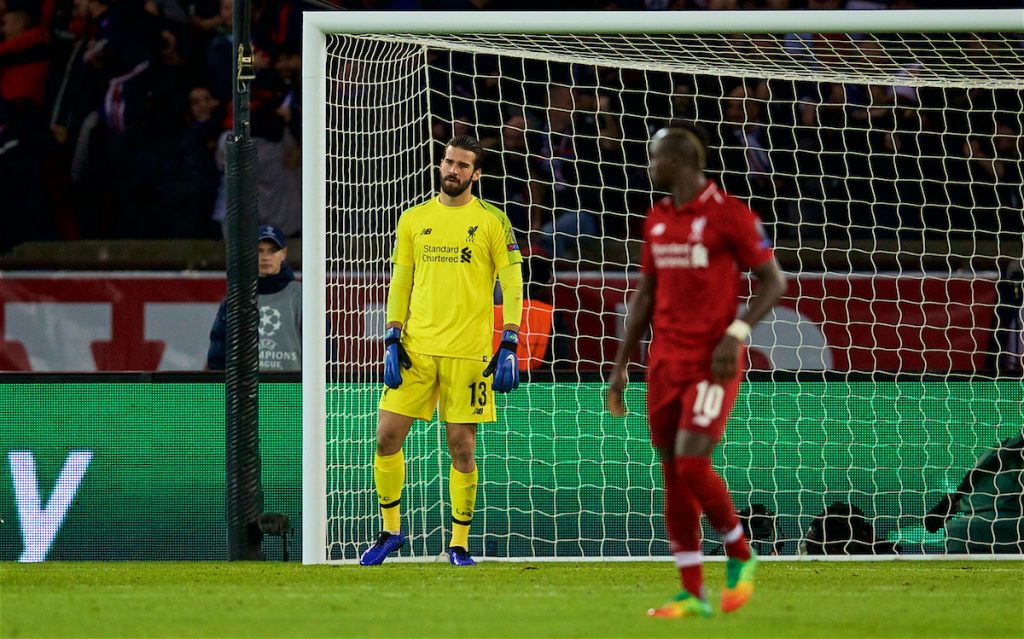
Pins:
<point x="317" y="25"/>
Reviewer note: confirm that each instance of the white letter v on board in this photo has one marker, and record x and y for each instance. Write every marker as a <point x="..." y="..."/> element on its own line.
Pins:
<point x="39" y="525"/>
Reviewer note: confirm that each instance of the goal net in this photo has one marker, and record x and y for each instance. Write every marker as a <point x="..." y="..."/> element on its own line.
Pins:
<point x="886" y="167"/>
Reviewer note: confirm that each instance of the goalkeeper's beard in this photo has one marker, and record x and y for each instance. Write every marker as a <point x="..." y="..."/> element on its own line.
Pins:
<point x="455" y="188"/>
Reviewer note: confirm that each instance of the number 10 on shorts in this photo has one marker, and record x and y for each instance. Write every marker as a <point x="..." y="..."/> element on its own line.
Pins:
<point x="708" y="404"/>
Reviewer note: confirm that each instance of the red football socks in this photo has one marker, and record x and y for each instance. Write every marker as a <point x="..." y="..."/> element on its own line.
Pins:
<point x="696" y="474"/>
<point x="682" y="522"/>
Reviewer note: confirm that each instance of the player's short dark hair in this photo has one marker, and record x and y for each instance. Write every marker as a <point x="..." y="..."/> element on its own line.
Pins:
<point x="692" y="127"/>
<point x="696" y="137"/>
<point x="468" y="143"/>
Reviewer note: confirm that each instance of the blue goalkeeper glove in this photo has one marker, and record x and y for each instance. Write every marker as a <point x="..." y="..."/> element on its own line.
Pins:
<point x="505" y="364"/>
<point x="395" y="358"/>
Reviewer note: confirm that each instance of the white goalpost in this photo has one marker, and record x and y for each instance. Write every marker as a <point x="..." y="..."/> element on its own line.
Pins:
<point x="882" y="150"/>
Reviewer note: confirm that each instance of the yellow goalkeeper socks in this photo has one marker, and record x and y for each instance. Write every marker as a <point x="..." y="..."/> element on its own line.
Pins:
<point x="462" y="490"/>
<point x="389" y="477"/>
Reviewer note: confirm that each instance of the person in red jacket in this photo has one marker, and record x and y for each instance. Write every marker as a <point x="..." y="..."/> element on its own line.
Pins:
<point x="24" y="57"/>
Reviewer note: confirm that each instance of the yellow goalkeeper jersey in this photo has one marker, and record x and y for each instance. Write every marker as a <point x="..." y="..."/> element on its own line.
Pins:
<point x="455" y="253"/>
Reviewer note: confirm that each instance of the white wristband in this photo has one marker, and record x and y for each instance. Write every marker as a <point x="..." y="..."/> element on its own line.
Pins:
<point x="738" y="329"/>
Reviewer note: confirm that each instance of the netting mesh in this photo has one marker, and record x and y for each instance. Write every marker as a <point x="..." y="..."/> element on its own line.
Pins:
<point x="954" y="59"/>
<point x="887" y="169"/>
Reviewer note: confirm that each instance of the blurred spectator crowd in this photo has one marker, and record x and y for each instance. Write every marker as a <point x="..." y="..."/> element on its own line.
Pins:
<point x="115" y="113"/>
<point x="817" y="160"/>
<point x="114" y="116"/>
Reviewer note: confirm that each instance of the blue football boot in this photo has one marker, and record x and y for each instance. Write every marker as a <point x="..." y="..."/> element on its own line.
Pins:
<point x="386" y="544"/>
<point x="459" y="556"/>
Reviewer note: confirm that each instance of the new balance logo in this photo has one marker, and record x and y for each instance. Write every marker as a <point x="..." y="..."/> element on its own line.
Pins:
<point x="467" y="255"/>
<point x="478" y="411"/>
<point x="426" y="231"/>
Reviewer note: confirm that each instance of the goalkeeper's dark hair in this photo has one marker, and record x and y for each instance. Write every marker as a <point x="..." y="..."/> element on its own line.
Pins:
<point x="468" y="143"/>
<point x="696" y="138"/>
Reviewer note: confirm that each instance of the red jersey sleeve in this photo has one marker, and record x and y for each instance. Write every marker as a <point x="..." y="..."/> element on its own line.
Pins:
<point x="750" y="243"/>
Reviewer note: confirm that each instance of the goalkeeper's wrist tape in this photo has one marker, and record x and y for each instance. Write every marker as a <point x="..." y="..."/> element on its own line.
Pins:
<point x="392" y="336"/>
<point x="738" y="329"/>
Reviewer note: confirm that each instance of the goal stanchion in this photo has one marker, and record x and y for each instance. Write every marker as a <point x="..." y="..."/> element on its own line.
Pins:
<point x="880" y="148"/>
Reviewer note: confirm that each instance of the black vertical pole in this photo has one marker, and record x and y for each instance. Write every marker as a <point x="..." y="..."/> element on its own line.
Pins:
<point x="244" y="492"/>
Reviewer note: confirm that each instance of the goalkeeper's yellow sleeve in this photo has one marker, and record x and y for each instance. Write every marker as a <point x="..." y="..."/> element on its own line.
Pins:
<point x="511" y="278"/>
<point x="399" y="293"/>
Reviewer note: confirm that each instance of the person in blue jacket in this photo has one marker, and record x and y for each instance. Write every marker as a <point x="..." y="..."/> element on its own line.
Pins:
<point x="280" y="304"/>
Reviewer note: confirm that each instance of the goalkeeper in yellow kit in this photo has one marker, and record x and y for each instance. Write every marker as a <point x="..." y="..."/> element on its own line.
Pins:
<point x="448" y="253"/>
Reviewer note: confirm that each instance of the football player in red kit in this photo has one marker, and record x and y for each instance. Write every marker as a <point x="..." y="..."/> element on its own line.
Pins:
<point x="697" y="242"/>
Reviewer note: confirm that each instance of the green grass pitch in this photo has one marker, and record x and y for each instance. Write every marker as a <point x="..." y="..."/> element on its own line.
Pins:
<point x="868" y="599"/>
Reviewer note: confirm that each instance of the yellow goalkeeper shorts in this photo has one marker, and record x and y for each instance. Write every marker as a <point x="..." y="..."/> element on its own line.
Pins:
<point x="456" y="387"/>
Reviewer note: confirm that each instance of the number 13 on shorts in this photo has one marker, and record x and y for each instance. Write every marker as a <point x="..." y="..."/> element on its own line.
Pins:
<point x="478" y="393"/>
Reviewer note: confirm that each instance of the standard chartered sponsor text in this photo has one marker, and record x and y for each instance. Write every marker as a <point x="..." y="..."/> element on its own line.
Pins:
<point x="441" y="253"/>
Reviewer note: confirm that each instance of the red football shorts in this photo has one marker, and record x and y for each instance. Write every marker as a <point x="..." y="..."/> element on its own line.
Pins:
<point x="688" y="401"/>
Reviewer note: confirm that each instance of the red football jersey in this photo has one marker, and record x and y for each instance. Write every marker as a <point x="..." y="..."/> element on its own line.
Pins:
<point x="697" y="252"/>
